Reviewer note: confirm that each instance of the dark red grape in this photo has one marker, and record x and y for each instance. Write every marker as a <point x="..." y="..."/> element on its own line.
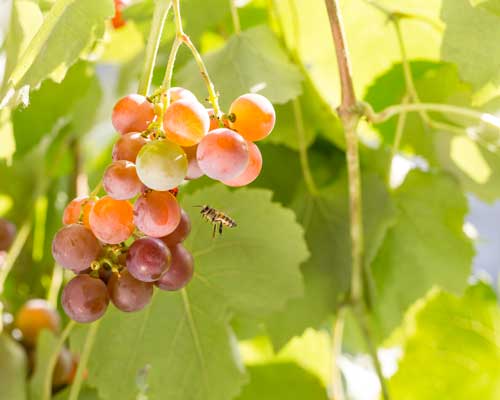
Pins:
<point x="180" y="272"/>
<point x="85" y="299"/>
<point x="148" y="258"/>
<point x="7" y="234"/>
<point x="180" y="233"/>
<point x="75" y="247"/>
<point x="129" y="294"/>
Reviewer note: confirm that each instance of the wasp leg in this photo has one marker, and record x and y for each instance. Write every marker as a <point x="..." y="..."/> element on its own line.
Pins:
<point x="215" y="230"/>
<point x="220" y="228"/>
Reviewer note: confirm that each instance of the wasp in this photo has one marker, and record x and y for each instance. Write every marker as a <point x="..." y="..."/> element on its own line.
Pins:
<point x="217" y="218"/>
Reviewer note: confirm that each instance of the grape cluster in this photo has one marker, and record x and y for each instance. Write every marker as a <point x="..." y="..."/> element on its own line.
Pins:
<point x="121" y="250"/>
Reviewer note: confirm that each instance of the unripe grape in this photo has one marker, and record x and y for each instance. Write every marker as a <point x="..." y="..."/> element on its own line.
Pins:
<point x="222" y="154"/>
<point x="186" y="122"/>
<point x="180" y="233"/>
<point x="157" y="214"/>
<point x="161" y="165"/>
<point x="81" y="206"/>
<point x="112" y="221"/>
<point x="148" y="258"/>
<point x="129" y="294"/>
<point x="193" y="170"/>
<point x="63" y="369"/>
<point x="132" y="113"/>
<point x="254" y="116"/>
<point x="85" y="299"/>
<point x="128" y="146"/>
<point x="179" y="93"/>
<point x="180" y="272"/>
<point x="120" y="180"/>
<point x="252" y="170"/>
<point x="75" y="247"/>
<point x="34" y="316"/>
<point x="7" y="234"/>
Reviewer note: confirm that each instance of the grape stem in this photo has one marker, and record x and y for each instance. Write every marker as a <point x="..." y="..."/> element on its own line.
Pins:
<point x="235" y="17"/>
<point x="159" y="16"/>
<point x="47" y="383"/>
<point x="84" y="358"/>
<point x="350" y="113"/>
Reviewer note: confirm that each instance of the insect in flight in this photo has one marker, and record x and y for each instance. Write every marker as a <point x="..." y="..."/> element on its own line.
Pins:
<point x="217" y="218"/>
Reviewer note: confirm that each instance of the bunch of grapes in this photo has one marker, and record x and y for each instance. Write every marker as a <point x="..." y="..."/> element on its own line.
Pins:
<point x="120" y="250"/>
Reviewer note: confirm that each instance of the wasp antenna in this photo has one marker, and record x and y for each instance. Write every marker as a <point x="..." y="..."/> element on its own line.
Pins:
<point x="199" y="206"/>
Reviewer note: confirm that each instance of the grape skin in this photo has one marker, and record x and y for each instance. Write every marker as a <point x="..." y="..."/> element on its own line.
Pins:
<point x="132" y="113"/>
<point x="129" y="294"/>
<point x="128" y="146"/>
<point x="186" y="122"/>
<point x="81" y="206"/>
<point x="85" y="299"/>
<point x="120" y="180"/>
<point x="178" y="93"/>
<point x="180" y="233"/>
<point x="148" y="258"/>
<point x="222" y="154"/>
<point x="35" y="315"/>
<point x="180" y="272"/>
<point x="193" y="170"/>
<point x="157" y="214"/>
<point x="75" y="247"/>
<point x="254" y="116"/>
<point x="161" y="165"/>
<point x="252" y="170"/>
<point x="112" y="221"/>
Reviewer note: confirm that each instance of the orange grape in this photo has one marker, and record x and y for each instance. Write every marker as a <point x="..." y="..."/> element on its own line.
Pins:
<point x="254" y="116"/>
<point x="128" y="146"/>
<point x="34" y="316"/>
<point x="252" y="170"/>
<point x="80" y="206"/>
<point x="112" y="221"/>
<point x="179" y="93"/>
<point x="132" y="113"/>
<point x="120" y="180"/>
<point x="186" y="122"/>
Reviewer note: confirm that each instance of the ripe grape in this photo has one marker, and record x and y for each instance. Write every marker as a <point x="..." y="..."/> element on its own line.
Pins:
<point x="75" y="247"/>
<point x="132" y="113"/>
<point x="81" y="206"/>
<point x="180" y="271"/>
<point x="222" y="154"/>
<point x="7" y="234"/>
<point x="181" y="232"/>
<point x="128" y="146"/>
<point x="129" y="294"/>
<point x="112" y="221"/>
<point x="120" y="180"/>
<point x="85" y="299"/>
<point x="186" y="122"/>
<point x="148" y="258"/>
<point x="254" y="116"/>
<point x="34" y="316"/>
<point x="178" y="93"/>
<point x="63" y="368"/>
<point x="161" y="165"/>
<point x="157" y="214"/>
<point x="252" y="170"/>
<point x="193" y="170"/>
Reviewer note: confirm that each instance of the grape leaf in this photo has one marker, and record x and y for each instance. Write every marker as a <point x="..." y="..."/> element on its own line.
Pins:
<point x="425" y="247"/>
<point x="68" y="32"/>
<point x="14" y="369"/>
<point x="466" y="27"/>
<point x="327" y="273"/>
<point x="282" y="380"/>
<point x="451" y="347"/>
<point x="185" y="336"/>
<point x="492" y="6"/>
<point x="249" y="61"/>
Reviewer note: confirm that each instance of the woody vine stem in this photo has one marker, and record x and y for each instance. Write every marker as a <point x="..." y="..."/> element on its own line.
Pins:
<point x="349" y="113"/>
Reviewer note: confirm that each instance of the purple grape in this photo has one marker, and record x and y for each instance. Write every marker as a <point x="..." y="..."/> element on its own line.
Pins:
<point x="7" y="234"/>
<point x="129" y="294"/>
<point x="148" y="258"/>
<point x="180" y="272"/>
<point x="85" y="299"/>
<point x="75" y="247"/>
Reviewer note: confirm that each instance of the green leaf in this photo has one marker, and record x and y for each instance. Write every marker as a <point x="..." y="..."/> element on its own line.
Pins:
<point x="69" y="31"/>
<point x="250" y="61"/>
<point x="14" y="369"/>
<point x="282" y="380"/>
<point x="74" y="101"/>
<point x="426" y="246"/>
<point x="492" y="6"/>
<point x="451" y="348"/>
<point x="470" y="41"/>
<point x="185" y="336"/>
<point x="44" y="350"/>
<point x="327" y="273"/>
<point x="7" y="141"/>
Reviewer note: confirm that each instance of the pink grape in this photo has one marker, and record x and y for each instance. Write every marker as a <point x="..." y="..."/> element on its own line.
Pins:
<point x="180" y="272"/>
<point x="252" y="170"/>
<point x="193" y="170"/>
<point x="147" y="259"/>
<point x="132" y="113"/>
<point x="181" y="232"/>
<point x="120" y="180"/>
<point x="222" y="154"/>
<point x="128" y="146"/>
<point x="127" y="293"/>
<point x="85" y="299"/>
<point x="157" y="214"/>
